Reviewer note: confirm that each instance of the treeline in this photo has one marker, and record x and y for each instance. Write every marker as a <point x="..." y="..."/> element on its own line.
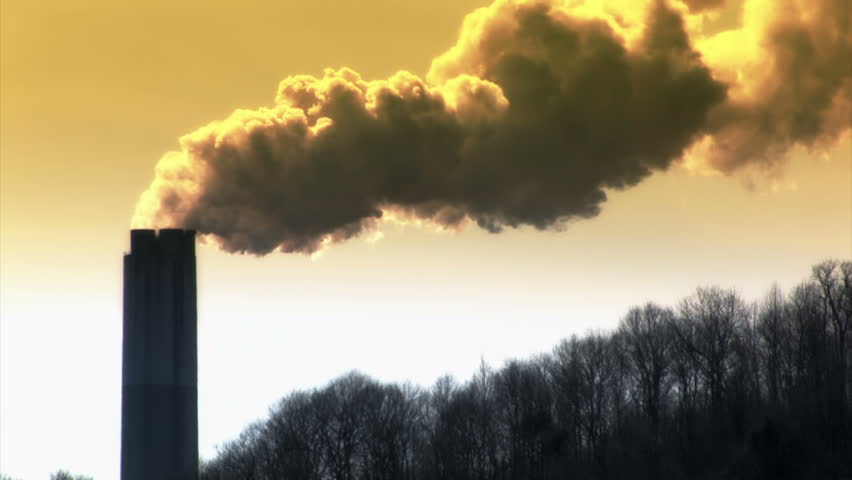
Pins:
<point x="65" y="475"/>
<point x="715" y="388"/>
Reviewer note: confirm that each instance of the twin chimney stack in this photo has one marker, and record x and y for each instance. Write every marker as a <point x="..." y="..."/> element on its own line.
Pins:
<point x="159" y="398"/>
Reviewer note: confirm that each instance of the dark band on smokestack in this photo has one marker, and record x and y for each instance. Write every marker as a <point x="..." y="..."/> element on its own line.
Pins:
<point x="159" y="422"/>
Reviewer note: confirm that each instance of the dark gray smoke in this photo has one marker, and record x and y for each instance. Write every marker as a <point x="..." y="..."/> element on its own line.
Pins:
<point x="701" y="5"/>
<point x="525" y="122"/>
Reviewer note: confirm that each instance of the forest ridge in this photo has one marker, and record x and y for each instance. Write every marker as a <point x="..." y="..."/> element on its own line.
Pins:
<point x="714" y="388"/>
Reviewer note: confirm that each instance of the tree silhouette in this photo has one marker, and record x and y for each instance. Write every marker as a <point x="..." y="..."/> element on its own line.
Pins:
<point x="65" y="475"/>
<point x="715" y="388"/>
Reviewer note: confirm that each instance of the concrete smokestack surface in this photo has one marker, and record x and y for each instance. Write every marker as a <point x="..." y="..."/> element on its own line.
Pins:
<point x="159" y="404"/>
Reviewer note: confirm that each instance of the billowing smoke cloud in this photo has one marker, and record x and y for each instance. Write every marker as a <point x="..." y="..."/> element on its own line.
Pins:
<point x="701" y="5"/>
<point x="538" y="108"/>
<point x="797" y="91"/>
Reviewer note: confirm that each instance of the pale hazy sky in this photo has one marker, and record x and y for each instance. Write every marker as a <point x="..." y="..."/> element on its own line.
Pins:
<point x="93" y="94"/>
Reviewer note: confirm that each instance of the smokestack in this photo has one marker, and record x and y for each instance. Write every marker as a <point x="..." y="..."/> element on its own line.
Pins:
<point x="159" y="402"/>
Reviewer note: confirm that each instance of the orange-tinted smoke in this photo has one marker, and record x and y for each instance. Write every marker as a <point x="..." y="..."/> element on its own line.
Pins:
<point x="538" y="109"/>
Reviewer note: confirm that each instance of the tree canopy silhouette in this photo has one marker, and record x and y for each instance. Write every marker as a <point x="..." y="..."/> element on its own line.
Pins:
<point x="716" y="387"/>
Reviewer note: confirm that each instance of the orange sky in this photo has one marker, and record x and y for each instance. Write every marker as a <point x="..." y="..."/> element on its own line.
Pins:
<point x="93" y="93"/>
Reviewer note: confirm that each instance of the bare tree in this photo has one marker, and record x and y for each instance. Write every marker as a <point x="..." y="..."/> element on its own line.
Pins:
<point x="774" y="332"/>
<point x="711" y="320"/>
<point x="65" y="475"/>
<point x="523" y="403"/>
<point x="834" y="284"/>
<point x="716" y="389"/>
<point x="648" y="341"/>
<point x="565" y="375"/>
<point x="296" y="438"/>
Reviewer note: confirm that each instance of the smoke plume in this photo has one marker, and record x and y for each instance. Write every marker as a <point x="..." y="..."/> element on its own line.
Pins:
<point x="701" y="5"/>
<point x="791" y="85"/>
<point x="538" y="109"/>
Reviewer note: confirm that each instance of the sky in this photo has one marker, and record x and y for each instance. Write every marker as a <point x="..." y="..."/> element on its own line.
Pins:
<point x="93" y="94"/>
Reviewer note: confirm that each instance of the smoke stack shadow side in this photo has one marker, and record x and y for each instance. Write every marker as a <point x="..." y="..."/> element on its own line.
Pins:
<point x="159" y="402"/>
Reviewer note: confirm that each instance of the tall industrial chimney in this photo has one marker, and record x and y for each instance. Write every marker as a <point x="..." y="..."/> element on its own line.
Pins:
<point x="159" y="397"/>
